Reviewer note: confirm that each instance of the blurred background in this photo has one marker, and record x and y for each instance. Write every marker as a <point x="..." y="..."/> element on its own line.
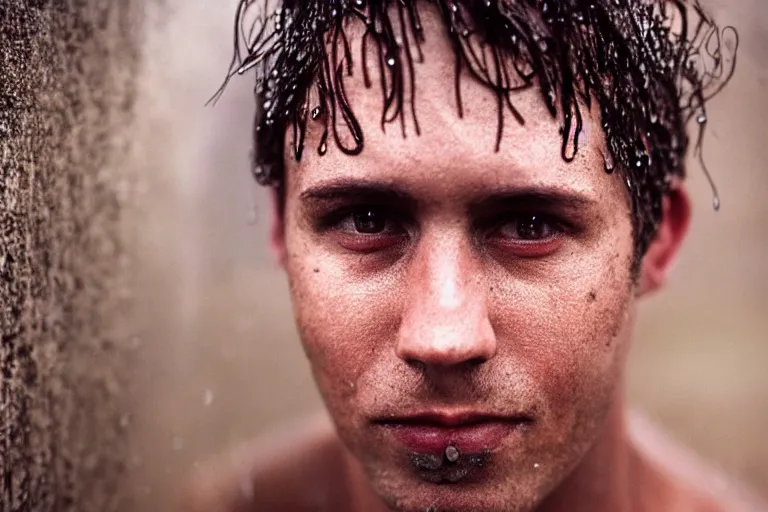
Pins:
<point x="220" y="358"/>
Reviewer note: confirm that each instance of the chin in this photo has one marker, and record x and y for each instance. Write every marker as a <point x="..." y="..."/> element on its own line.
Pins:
<point x="481" y="491"/>
<point x="446" y="498"/>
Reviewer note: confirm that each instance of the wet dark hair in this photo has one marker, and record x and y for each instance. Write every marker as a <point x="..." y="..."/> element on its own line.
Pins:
<point x="651" y="66"/>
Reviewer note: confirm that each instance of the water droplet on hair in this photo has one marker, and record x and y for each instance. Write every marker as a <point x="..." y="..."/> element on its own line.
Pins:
<point x="608" y="162"/>
<point x="316" y="112"/>
<point x="701" y="119"/>
<point x="323" y="149"/>
<point x="550" y="98"/>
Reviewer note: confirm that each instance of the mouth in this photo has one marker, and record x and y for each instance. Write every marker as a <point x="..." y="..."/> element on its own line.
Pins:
<point x="471" y="433"/>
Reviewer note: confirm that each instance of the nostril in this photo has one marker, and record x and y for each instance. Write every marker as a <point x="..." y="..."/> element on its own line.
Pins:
<point x="419" y="365"/>
<point x="476" y="361"/>
<point x="415" y="364"/>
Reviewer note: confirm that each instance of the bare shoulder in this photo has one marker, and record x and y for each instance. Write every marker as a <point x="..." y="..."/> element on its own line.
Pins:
<point x="693" y="485"/>
<point x="294" y="469"/>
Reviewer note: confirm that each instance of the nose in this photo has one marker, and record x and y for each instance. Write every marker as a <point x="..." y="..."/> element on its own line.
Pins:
<point x="445" y="319"/>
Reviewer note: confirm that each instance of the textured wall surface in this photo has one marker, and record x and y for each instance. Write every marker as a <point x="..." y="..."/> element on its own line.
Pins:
<point x="66" y="71"/>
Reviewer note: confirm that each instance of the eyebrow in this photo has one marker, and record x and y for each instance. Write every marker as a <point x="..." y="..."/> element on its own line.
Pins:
<point x="542" y="196"/>
<point x="357" y="190"/>
<point x="539" y="196"/>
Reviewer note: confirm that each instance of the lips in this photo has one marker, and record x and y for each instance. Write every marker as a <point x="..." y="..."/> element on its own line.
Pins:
<point x="469" y="433"/>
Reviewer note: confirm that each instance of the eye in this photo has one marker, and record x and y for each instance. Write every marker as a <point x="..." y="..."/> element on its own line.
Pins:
<point x="369" y="221"/>
<point x="528" y="235"/>
<point x="368" y="229"/>
<point x="529" y="228"/>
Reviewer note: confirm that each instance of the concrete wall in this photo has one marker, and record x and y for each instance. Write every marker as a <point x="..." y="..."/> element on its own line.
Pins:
<point x="66" y="74"/>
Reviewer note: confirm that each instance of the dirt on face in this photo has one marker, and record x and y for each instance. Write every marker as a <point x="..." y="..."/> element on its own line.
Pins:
<point x="66" y="89"/>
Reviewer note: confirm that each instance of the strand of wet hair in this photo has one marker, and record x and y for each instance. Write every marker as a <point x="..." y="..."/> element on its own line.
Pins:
<point x="619" y="53"/>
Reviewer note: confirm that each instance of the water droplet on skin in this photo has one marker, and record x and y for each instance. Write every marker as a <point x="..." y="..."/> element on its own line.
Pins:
<point x="178" y="443"/>
<point x="536" y="466"/>
<point x="208" y="397"/>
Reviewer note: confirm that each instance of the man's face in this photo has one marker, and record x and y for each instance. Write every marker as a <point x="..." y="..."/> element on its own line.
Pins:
<point x="450" y="295"/>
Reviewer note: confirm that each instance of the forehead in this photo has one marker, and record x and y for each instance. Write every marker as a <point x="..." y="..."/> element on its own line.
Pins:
<point x="450" y="154"/>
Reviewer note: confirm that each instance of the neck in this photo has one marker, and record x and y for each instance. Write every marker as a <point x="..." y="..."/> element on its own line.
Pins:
<point x="610" y="478"/>
<point x="606" y="479"/>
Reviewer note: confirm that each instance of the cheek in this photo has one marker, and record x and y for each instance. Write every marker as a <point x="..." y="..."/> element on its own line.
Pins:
<point x="346" y="321"/>
<point x="571" y="336"/>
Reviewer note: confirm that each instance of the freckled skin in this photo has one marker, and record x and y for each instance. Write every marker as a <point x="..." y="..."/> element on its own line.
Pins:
<point x="443" y="313"/>
<point x="449" y="296"/>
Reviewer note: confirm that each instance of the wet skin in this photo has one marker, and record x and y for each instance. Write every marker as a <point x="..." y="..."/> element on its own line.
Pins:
<point x="447" y="294"/>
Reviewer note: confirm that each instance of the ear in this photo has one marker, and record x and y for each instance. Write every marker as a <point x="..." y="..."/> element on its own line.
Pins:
<point x="661" y="255"/>
<point x="277" y="227"/>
